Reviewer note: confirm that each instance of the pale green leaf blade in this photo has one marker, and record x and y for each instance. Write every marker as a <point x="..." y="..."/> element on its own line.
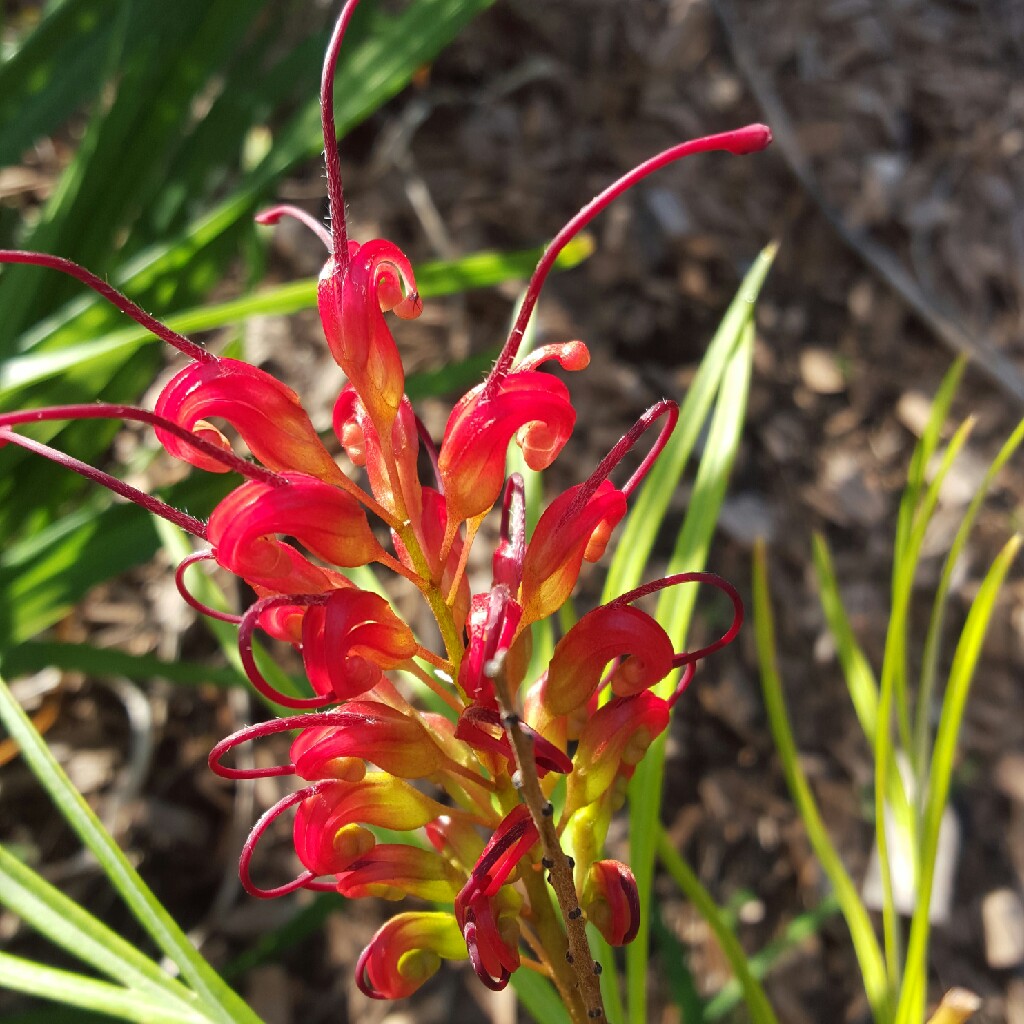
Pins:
<point x="87" y="993"/>
<point x="674" y="610"/>
<point x="218" y="1000"/>
<point x="760" y="1009"/>
<point x="641" y="526"/>
<point x="46" y="909"/>
<point x="865" y="943"/>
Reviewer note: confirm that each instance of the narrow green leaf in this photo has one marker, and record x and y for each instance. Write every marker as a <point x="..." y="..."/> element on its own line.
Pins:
<point x="77" y="990"/>
<point x="865" y="944"/>
<point x="539" y="997"/>
<point x="55" y="69"/>
<point x="219" y="1001"/>
<point x="965" y="659"/>
<point x="760" y="1009"/>
<point x="761" y="963"/>
<point x="675" y="607"/>
<point x="51" y="913"/>
<point x="925" y="449"/>
<point x="480" y="270"/>
<point x="641" y="527"/>
<point x="675" y="971"/>
<point x="860" y="680"/>
<point x="933" y="638"/>
<point x="107" y="661"/>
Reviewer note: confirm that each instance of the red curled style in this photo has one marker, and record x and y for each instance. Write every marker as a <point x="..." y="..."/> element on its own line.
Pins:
<point x="352" y="301"/>
<point x="327" y="521"/>
<point x="190" y="599"/>
<point x="604" y="635"/>
<point x="531" y="406"/>
<point x="266" y="413"/>
<point x="305" y="879"/>
<point x="330" y="741"/>
<point x="371" y="731"/>
<point x="349" y="639"/>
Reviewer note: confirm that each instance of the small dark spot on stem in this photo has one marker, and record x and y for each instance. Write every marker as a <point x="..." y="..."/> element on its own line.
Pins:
<point x="548" y="809"/>
<point x="568" y="957"/>
<point x="598" y="968"/>
<point x="547" y="862"/>
<point x="575" y="914"/>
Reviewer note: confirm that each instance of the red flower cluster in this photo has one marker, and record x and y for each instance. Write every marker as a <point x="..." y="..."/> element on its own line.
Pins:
<point x="476" y="846"/>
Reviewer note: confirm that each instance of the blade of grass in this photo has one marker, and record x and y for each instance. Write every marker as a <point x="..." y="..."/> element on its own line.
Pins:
<point x="539" y="997"/>
<point x="217" y="999"/>
<point x="761" y="963"/>
<point x="860" y="680"/>
<point x="46" y="909"/>
<point x="965" y="660"/>
<point x="893" y="696"/>
<point x="77" y="990"/>
<point x="760" y="1009"/>
<point x="106" y="661"/>
<point x="933" y="637"/>
<point x="480" y="270"/>
<point x="57" y="67"/>
<point x="865" y="944"/>
<point x="676" y="971"/>
<point x="674" y="609"/>
<point x="633" y="549"/>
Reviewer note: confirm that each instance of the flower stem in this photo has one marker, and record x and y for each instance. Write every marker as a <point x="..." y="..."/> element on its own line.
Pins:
<point x="578" y="955"/>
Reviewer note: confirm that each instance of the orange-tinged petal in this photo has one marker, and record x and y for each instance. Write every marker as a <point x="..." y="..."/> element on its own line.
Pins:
<point x="392" y="871"/>
<point x="347" y="641"/>
<point x="563" y="537"/>
<point x="531" y="406"/>
<point x="601" y="636"/>
<point x="613" y="742"/>
<point x="329" y="522"/>
<point x="378" y="276"/>
<point x="406" y="952"/>
<point x="612" y="902"/>
<point x="395" y="742"/>
<point x="266" y="413"/>
<point x="327" y="833"/>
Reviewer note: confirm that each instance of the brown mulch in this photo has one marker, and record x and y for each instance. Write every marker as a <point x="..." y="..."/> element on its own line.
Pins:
<point x="906" y="121"/>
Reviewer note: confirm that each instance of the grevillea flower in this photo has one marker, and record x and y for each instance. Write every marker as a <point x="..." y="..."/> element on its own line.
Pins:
<point x="463" y="788"/>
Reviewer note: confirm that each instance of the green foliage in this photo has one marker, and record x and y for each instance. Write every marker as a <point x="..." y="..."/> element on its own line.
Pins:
<point x="894" y="715"/>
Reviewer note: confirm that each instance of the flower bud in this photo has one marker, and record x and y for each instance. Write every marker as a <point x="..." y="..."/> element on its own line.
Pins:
<point x="406" y="952"/>
<point x="611" y="901"/>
